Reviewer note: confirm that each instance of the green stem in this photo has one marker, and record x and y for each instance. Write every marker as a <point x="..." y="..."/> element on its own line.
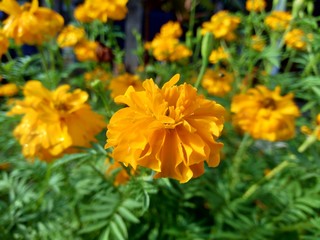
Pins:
<point x="251" y="190"/>
<point x="238" y="158"/>
<point x="204" y="65"/>
<point x="45" y="184"/>
<point x="45" y="67"/>
<point x="309" y="141"/>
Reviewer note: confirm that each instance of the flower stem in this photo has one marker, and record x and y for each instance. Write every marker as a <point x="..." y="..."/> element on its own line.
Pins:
<point x="45" y="184"/>
<point x="238" y="158"/>
<point x="251" y="190"/>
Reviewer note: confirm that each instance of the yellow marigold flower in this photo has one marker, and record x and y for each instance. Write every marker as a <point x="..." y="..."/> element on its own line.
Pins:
<point x="120" y="84"/>
<point x="86" y="50"/>
<point x="297" y="39"/>
<point x="8" y="90"/>
<point x="171" y="30"/>
<point x="265" y="114"/>
<point x="218" y="55"/>
<point x="171" y="130"/>
<point x="222" y="25"/>
<point x="278" y="20"/>
<point x="257" y="43"/>
<point x="54" y="122"/>
<point x="255" y="5"/>
<point x="169" y="49"/>
<point x="98" y="74"/>
<point x="70" y="36"/>
<point x="122" y="175"/>
<point x="217" y="82"/>
<point x="29" y="23"/>
<point x="101" y="10"/>
<point x="4" y="43"/>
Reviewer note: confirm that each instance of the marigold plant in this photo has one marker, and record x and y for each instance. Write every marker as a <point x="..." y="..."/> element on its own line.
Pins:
<point x="171" y="130"/>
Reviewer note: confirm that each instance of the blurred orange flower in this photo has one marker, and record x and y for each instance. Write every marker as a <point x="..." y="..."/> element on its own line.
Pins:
<point x="265" y="114"/>
<point x="70" y="36"/>
<point x="222" y="25"/>
<point x="86" y="50"/>
<point x="29" y="23"/>
<point x="255" y="5"/>
<point x="171" y="130"/>
<point x="217" y="82"/>
<point x="297" y="39"/>
<point x="257" y="43"/>
<point x="121" y="176"/>
<point x="8" y="90"/>
<point x="120" y="84"/>
<point x="166" y="46"/>
<point x="278" y="20"/>
<point x="101" y="10"/>
<point x="54" y="122"/>
<point x="4" y="43"/>
<point x="217" y="55"/>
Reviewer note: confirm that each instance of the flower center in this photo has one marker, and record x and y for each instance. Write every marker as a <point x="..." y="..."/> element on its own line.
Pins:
<point x="269" y="103"/>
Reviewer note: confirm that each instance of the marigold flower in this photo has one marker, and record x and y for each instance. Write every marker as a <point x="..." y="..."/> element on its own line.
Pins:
<point x="8" y="90"/>
<point x="265" y="114"/>
<point x="101" y="9"/>
<point x="166" y="46"/>
<point x="120" y="84"/>
<point x="169" y="49"/>
<point x="257" y="43"/>
<point x="4" y="43"/>
<point x="86" y="50"/>
<point x="54" y="122"/>
<point x="171" y="30"/>
<point x="255" y="5"/>
<point x="278" y="20"/>
<point x="70" y="36"/>
<point x="297" y="39"/>
<point x="29" y="23"/>
<point x="217" y="82"/>
<point x="222" y="25"/>
<point x="171" y="130"/>
<point x="218" y="55"/>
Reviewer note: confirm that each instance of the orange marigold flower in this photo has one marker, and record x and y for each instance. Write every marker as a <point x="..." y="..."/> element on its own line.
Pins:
<point x="166" y="46"/>
<point x="171" y="130"/>
<point x="86" y="50"/>
<point x="265" y="114"/>
<point x="255" y="5"/>
<point x="120" y="84"/>
<point x="218" y="55"/>
<point x="4" y="43"/>
<point x="70" y="36"/>
<point x="29" y="23"/>
<point x="171" y="30"/>
<point x="54" y="122"/>
<point x="169" y="49"/>
<point x="278" y="20"/>
<point x="101" y="9"/>
<point x="257" y="43"/>
<point x="121" y="176"/>
<point x="222" y="25"/>
<point x="297" y="39"/>
<point x="217" y="82"/>
<point x="8" y="90"/>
